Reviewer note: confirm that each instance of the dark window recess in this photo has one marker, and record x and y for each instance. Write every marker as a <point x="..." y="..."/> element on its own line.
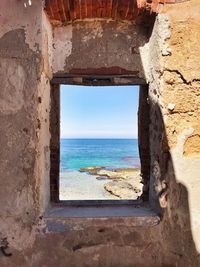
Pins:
<point x="143" y="141"/>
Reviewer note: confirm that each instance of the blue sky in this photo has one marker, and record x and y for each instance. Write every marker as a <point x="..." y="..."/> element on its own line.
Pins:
<point x="99" y="112"/>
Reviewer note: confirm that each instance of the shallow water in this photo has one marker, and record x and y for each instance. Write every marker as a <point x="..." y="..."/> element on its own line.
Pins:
<point x="82" y="153"/>
<point x="75" y="185"/>
<point x="114" y="153"/>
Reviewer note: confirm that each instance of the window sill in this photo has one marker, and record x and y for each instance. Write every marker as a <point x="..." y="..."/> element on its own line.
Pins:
<point x="59" y="218"/>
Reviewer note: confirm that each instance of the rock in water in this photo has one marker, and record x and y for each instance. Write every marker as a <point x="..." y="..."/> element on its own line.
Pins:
<point x="122" y="189"/>
<point x="125" y="182"/>
<point x="125" y="173"/>
<point x="92" y="170"/>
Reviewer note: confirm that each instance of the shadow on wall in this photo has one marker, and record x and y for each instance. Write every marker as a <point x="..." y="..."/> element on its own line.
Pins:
<point x="167" y="195"/>
<point x="171" y="243"/>
<point x="178" y="245"/>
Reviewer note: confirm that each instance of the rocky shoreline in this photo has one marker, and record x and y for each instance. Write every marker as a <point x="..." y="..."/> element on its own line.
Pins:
<point x="124" y="183"/>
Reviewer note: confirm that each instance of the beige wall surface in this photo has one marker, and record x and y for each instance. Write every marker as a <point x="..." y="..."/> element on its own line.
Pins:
<point x="169" y="61"/>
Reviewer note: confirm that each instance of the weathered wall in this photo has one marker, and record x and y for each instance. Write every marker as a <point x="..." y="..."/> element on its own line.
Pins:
<point x="182" y="89"/>
<point x="20" y="69"/>
<point x="26" y="60"/>
<point x="44" y="107"/>
<point x="171" y="66"/>
<point x="99" y="47"/>
<point x="173" y="73"/>
<point x="24" y="116"/>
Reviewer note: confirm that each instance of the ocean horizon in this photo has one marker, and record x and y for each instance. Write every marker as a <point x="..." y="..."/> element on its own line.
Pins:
<point x="76" y="153"/>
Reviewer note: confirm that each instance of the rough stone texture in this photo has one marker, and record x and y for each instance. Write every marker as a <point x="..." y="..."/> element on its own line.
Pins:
<point x="174" y="130"/>
<point x="125" y="183"/>
<point x="18" y="135"/>
<point x="106" y="48"/>
<point x="171" y="65"/>
<point x="24" y="116"/>
<point x="91" y="246"/>
<point x="182" y="125"/>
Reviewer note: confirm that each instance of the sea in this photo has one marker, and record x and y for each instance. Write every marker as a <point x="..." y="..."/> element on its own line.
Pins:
<point x="111" y="153"/>
<point x="80" y="153"/>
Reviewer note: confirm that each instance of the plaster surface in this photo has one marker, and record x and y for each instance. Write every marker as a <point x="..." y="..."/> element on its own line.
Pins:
<point x="169" y="61"/>
<point x="106" y="47"/>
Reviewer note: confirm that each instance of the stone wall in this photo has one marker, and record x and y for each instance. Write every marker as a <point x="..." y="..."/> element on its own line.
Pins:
<point x="25" y="69"/>
<point x="170" y="64"/>
<point x="181" y="108"/>
<point x="173" y="74"/>
<point x="106" y="47"/>
<point x="24" y="154"/>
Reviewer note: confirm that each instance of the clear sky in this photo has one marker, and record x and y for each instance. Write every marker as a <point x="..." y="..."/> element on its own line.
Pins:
<point x="99" y="112"/>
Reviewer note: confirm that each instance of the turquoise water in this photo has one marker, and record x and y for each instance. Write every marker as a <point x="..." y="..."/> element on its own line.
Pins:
<point x="112" y="153"/>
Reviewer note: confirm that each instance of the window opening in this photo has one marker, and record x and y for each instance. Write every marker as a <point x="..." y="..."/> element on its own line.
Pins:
<point x="99" y="157"/>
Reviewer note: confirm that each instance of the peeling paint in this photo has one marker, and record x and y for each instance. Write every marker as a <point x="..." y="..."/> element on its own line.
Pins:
<point x="26" y="64"/>
<point x="94" y="31"/>
<point x="30" y="20"/>
<point x="102" y="45"/>
<point x="62" y="47"/>
<point x="11" y="94"/>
